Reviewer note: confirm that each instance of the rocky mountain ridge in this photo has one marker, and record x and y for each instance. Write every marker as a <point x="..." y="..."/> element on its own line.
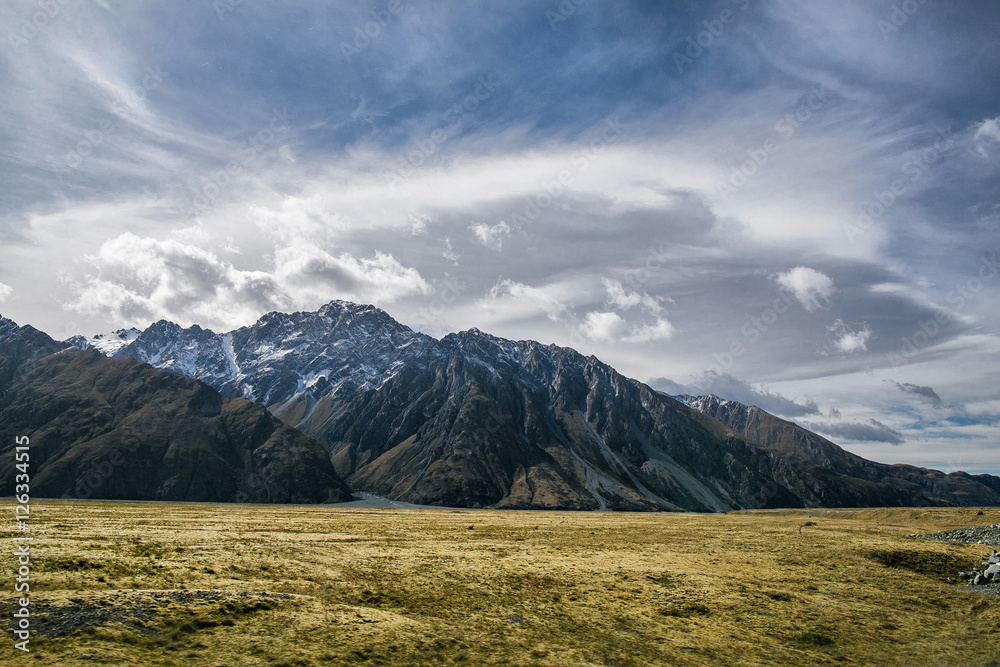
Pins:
<point x="479" y="421"/>
<point x="791" y="440"/>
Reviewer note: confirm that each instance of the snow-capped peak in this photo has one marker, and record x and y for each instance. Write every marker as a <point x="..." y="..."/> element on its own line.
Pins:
<point x="106" y="343"/>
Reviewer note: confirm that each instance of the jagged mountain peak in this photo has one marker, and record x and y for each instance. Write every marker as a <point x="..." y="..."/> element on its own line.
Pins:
<point x="20" y="344"/>
<point x="711" y="401"/>
<point x="284" y="357"/>
<point x="476" y="340"/>
<point x="106" y="343"/>
<point x="13" y="333"/>
<point x="168" y="326"/>
<point x="332" y="316"/>
<point x="341" y="306"/>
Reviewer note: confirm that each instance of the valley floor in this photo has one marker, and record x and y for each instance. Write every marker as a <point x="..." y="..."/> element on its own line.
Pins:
<point x="190" y="584"/>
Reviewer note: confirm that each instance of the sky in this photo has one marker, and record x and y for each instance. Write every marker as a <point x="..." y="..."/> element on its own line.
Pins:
<point x="790" y="204"/>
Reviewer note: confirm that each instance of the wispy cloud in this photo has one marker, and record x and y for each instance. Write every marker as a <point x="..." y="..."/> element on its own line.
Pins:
<point x="919" y="390"/>
<point x="491" y="236"/>
<point x="733" y="389"/>
<point x="513" y="296"/>
<point x="624" y="298"/>
<point x="871" y="430"/>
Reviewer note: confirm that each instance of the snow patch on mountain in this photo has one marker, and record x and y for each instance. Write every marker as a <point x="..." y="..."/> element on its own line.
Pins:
<point x="106" y="343"/>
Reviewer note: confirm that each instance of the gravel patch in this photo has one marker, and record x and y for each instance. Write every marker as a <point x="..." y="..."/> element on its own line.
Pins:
<point x="986" y="535"/>
<point x="132" y="609"/>
<point x="983" y="590"/>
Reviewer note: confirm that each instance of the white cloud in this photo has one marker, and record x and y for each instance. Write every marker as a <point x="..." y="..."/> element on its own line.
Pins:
<point x="5" y="292"/>
<point x="515" y="297"/>
<point x="809" y="286"/>
<point x="448" y="253"/>
<point x="622" y="298"/>
<point x="418" y="224"/>
<point x="847" y="339"/>
<point x="661" y="329"/>
<point x="297" y="218"/>
<point x="854" y="341"/>
<point x="603" y="326"/>
<point x="491" y="236"/>
<point x="312" y="275"/>
<point x="988" y="132"/>
<point x="610" y="327"/>
<point x="139" y="280"/>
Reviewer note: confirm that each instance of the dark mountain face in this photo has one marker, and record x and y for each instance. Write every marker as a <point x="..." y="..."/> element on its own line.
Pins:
<point x="117" y="429"/>
<point x="18" y="345"/>
<point x="890" y="484"/>
<point x="478" y="421"/>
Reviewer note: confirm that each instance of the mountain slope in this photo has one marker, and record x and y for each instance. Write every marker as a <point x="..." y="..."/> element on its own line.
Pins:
<point x="481" y="421"/>
<point x="117" y="429"/>
<point x="790" y="440"/>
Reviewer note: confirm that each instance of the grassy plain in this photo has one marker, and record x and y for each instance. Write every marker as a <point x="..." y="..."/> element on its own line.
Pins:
<point x="193" y="584"/>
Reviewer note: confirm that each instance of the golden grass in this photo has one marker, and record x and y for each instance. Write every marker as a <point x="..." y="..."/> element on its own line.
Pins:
<point x="167" y="584"/>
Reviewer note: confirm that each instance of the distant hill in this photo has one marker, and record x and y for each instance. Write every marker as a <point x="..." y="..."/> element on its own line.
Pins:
<point x="907" y="484"/>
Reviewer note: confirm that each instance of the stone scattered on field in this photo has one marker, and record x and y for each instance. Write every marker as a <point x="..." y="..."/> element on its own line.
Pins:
<point x="987" y="535"/>
<point x="989" y="574"/>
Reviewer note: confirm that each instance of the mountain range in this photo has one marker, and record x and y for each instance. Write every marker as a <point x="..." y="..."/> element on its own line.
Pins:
<point x="118" y="429"/>
<point x="473" y="420"/>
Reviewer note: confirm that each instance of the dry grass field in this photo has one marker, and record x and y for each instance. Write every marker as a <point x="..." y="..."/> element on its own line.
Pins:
<point x="191" y="584"/>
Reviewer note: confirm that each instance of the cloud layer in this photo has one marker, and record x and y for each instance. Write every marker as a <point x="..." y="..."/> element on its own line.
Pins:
<point x="138" y="280"/>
